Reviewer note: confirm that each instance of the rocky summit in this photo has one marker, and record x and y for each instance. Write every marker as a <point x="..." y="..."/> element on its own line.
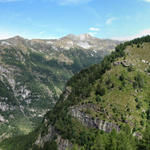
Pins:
<point x="33" y="74"/>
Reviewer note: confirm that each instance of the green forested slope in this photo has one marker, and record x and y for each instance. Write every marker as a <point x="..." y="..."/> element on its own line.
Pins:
<point x="31" y="81"/>
<point x="104" y="107"/>
<point x="119" y="90"/>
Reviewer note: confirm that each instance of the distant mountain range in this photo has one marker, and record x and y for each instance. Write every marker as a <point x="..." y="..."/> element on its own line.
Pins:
<point x="33" y="74"/>
<point x="84" y="41"/>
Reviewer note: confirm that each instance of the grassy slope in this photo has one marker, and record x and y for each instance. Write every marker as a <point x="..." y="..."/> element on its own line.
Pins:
<point x="125" y="99"/>
<point x="126" y="102"/>
<point x="122" y="100"/>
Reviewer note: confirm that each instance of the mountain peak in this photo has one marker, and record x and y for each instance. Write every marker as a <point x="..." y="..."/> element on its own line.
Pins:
<point x="17" y="37"/>
<point x="81" y="37"/>
<point x="85" y="36"/>
<point x="70" y="36"/>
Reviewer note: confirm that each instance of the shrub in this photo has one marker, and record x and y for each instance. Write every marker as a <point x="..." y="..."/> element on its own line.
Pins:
<point x="130" y="68"/>
<point x="136" y="99"/>
<point x="100" y="91"/>
<point x="121" y="78"/>
<point x="108" y="82"/>
<point x="148" y="70"/>
<point x="138" y="45"/>
<point x="143" y="115"/>
<point x="139" y="105"/>
<point x="139" y="81"/>
<point x="98" y="98"/>
<point x="148" y="114"/>
<point x="142" y="123"/>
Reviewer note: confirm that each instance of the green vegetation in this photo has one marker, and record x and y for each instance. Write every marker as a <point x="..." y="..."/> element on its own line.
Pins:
<point x="118" y="94"/>
<point x="117" y="99"/>
<point x="20" y="142"/>
<point x="44" y="75"/>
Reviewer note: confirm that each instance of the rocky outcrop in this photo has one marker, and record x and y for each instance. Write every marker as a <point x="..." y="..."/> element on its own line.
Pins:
<point x="3" y="70"/>
<point x="116" y="63"/>
<point x="84" y="118"/>
<point x="48" y="136"/>
<point x="62" y="144"/>
<point x="89" y="121"/>
<point x="67" y="93"/>
<point x="4" y="106"/>
<point x="123" y="62"/>
<point x="2" y="118"/>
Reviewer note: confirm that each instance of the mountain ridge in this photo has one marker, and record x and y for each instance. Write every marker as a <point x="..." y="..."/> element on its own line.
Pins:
<point x="108" y="96"/>
<point x="69" y="41"/>
<point x="105" y="106"/>
<point x="35" y="72"/>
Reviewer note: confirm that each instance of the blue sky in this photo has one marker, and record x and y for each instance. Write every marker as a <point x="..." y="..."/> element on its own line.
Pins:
<point x="117" y="19"/>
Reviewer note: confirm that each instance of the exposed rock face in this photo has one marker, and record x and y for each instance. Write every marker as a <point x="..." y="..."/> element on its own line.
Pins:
<point x="3" y="70"/>
<point x="87" y="120"/>
<point x="67" y="92"/>
<point x="116" y="63"/>
<point x="84" y="41"/>
<point x="62" y="144"/>
<point x="2" y="118"/>
<point x="4" y="106"/>
<point x="46" y="137"/>
<point x="124" y="63"/>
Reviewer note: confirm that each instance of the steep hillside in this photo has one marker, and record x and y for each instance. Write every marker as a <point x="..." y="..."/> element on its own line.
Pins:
<point x="104" y="107"/>
<point x="33" y="74"/>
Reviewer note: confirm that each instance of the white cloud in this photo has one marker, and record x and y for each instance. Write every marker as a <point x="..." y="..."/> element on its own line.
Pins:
<point x="94" y="29"/>
<point x="146" y="1"/>
<point x="110" y="20"/>
<point x="42" y="32"/>
<point x="93" y="33"/>
<point x="140" y="34"/>
<point x="5" y="35"/>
